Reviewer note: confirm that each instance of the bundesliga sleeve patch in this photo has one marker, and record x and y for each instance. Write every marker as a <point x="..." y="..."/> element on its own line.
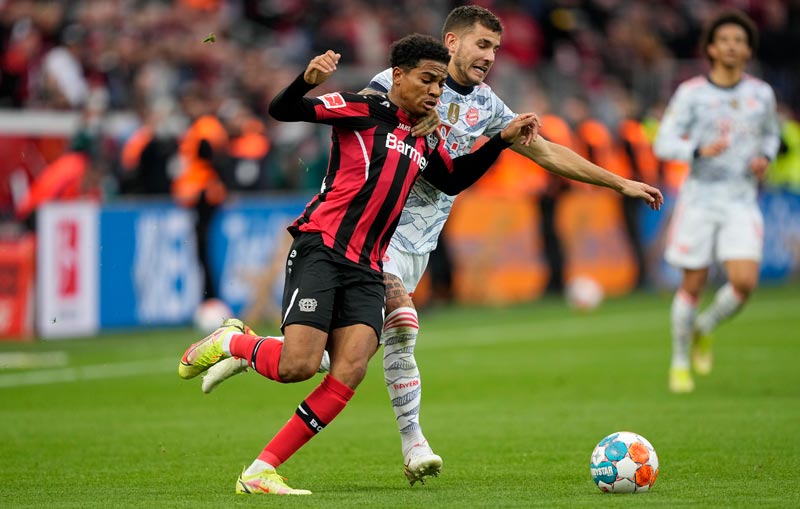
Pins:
<point x="333" y="100"/>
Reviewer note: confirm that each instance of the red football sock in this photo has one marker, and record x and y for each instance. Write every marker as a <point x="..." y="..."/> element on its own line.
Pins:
<point x="311" y="417"/>
<point x="263" y="354"/>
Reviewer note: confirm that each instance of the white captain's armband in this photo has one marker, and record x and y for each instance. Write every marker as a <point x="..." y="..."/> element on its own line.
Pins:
<point x="333" y="100"/>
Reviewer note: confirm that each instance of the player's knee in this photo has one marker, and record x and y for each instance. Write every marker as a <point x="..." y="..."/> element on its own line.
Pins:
<point x="396" y="294"/>
<point x="397" y="302"/>
<point x="744" y="286"/>
<point x="296" y="370"/>
<point x="351" y="375"/>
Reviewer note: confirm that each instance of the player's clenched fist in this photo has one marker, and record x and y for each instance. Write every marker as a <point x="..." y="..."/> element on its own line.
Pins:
<point x="321" y="67"/>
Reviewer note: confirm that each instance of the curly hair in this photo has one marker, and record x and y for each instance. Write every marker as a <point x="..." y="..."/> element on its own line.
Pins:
<point x="466" y="16"/>
<point x="407" y="52"/>
<point x="731" y="16"/>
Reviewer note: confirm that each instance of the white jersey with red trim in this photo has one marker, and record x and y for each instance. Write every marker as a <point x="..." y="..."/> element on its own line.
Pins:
<point x="700" y="113"/>
<point x="467" y="113"/>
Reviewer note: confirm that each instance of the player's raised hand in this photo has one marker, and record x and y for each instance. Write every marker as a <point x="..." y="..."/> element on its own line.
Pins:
<point x="321" y="67"/>
<point x="428" y="124"/>
<point x="524" y="128"/>
<point x="648" y="193"/>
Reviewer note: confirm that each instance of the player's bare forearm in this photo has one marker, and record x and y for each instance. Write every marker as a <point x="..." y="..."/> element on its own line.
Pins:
<point x="562" y="161"/>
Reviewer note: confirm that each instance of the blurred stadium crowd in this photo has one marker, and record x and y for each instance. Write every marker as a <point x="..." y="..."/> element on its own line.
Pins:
<point x="153" y="64"/>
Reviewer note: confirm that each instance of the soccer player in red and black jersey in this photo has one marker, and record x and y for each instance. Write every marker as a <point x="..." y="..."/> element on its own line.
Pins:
<point x="334" y="290"/>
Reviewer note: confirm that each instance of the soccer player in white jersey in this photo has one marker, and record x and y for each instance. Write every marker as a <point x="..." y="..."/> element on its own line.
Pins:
<point x="725" y="124"/>
<point x="467" y="110"/>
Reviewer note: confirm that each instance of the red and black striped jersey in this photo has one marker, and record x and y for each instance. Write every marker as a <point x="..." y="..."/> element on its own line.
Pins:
<point x="374" y="162"/>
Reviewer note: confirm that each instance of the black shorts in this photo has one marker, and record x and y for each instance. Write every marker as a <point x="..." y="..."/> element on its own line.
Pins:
<point x="325" y="290"/>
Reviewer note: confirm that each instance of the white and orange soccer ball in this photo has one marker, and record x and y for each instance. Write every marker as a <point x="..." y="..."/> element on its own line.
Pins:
<point x="624" y="462"/>
<point x="584" y="293"/>
<point x="210" y="314"/>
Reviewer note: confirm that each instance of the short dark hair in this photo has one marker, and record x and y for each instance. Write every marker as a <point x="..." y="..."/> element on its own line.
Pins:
<point x="407" y="52"/>
<point x="730" y="16"/>
<point x="465" y="16"/>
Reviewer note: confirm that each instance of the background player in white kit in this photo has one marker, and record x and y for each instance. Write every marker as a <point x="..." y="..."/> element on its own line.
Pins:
<point x="725" y="124"/>
<point x="468" y="110"/>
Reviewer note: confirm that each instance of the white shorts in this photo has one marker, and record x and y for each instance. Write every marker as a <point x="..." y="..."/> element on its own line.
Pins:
<point x="699" y="235"/>
<point x="409" y="267"/>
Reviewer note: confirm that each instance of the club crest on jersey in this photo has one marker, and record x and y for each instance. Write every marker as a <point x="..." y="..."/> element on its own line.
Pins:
<point x="452" y="113"/>
<point x="472" y="117"/>
<point x="432" y="140"/>
<point x="333" y="100"/>
<point x="307" y="305"/>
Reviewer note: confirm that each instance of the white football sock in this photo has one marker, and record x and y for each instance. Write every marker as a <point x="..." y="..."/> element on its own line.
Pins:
<point x="401" y="373"/>
<point x="684" y="310"/>
<point x="325" y="364"/>
<point x="257" y="466"/>
<point x="727" y="302"/>
<point x="226" y="341"/>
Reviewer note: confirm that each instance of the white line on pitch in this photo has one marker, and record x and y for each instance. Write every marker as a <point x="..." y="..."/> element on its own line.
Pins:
<point x="541" y="330"/>
<point x="91" y="372"/>
<point x="28" y="360"/>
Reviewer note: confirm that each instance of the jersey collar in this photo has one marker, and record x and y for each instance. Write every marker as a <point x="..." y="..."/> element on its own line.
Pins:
<point x="729" y="87"/>
<point x="457" y="87"/>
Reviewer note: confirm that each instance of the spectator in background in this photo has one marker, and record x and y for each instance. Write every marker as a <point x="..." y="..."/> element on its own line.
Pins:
<point x="75" y="174"/>
<point x="556" y="130"/>
<point x="248" y="148"/>
<point x="20" y="53"/>
<point x="199" y="184"/>
<point x="785" y="170"/>
<point x="79" y="172"/>
<point x="149" y="156"/>
<point x="63" y="82"/>
<point x="642" y="166"/>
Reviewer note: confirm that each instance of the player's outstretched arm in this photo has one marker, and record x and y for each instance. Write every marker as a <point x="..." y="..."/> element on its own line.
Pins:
<point x="562" y="161"/>
<point x="467" y="169"/>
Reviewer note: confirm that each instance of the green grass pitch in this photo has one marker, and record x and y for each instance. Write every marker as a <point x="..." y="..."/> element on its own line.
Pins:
<point x="515" y="399"/>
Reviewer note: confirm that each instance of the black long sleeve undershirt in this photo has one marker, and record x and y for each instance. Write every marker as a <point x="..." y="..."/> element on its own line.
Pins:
<point x="467" y="169"/>
<point x="288" y="105"/>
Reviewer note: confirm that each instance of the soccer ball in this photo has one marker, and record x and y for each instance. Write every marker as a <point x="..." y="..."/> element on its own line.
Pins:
<point x="210" y="314"/>
<point x="584" y="293"/>
<point x="624" y="462"/>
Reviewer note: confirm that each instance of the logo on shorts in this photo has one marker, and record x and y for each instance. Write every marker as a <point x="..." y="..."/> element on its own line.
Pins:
<point x="307" y="305"/>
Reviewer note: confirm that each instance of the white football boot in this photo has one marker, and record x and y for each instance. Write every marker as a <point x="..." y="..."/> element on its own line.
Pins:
<point x="421" y="462"/>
